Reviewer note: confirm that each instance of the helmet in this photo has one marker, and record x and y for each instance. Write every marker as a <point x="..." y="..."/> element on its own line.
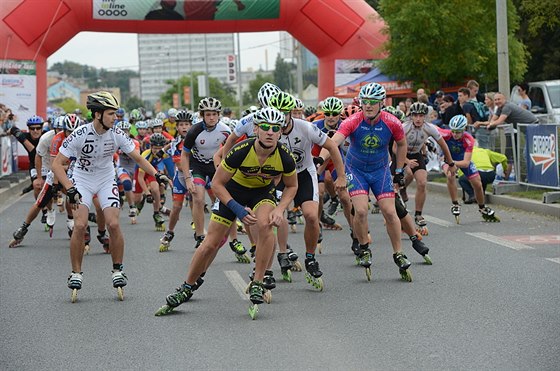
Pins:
<point x="120" y="112"/>
<point x="332" y="104"/>
<point x="124" y="125"/>
<point x="349" y="110"/>
<point x="160" y="116"/>
<point x="89" y="116"/>
<point x="157" y="123"/>
<point x="227" y="111"/>
<point x="210" y="104"/>
<point x="249" y="110"/>
<point x="266" y="92"/>
<point x="419" y="108"/>
<point x="71" y="122"/>
<point x="373" y="91"/>
<point x="232" y="124"/>
<point x="390" y="109"/>
<point x="299" y="104"/>
<point x="400" y="115"/>
<point x="172" y="113"/>
<point x="283" y="101"/>
<point x="309" y="110"/>
<point x="269" y="115"/>
<point x="141" y="125"/>
<point x="458" y="122"/>
<point x="150" y="123"/>
<point x="101" y="101"/>
<point x="184" y="116"/>
<point x="59" y="122"/>
<point x="136" y="115"/>
<point x="35" y="120"/>
<point x="157" y="139"/>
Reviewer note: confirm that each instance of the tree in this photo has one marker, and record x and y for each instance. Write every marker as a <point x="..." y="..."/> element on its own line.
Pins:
<point x="540" y="31"/>
<point x="283" y="74"/>
<point x="133" y="103"/>
<point x="310" y="77"/>
<point x="250" y="96"/>
<point x="69" y="105"/>
<point x="435" y="42"/>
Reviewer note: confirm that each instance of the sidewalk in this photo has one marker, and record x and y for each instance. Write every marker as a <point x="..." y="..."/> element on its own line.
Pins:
<point x="11" y="187"/>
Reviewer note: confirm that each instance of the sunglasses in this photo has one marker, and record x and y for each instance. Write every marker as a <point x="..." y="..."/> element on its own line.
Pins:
<point x="35" y="129"/>
<point x="370" y="101"/>
<point x="331" y="114"/>
<point x="457" y="131"/>
<point x="267" y="127"/>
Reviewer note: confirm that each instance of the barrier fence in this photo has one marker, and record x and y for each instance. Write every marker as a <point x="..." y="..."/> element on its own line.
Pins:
<point x="537" y="155"/>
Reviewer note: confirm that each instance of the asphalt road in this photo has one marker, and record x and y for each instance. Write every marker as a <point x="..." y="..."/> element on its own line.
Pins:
<point x="490" y="301"/>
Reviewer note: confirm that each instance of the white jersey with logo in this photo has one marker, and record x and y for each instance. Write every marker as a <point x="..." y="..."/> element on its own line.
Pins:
<point x="300" y="141"/>
<point x="43" y="149"/>
<point x="94" y="152"/>
<point x="203" y="144"/>
<point x="417" y="136"/>
<point x="245" y="126"/>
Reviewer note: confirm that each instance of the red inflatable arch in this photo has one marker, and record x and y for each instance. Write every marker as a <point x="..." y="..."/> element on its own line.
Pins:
<point x="330" y="29"/>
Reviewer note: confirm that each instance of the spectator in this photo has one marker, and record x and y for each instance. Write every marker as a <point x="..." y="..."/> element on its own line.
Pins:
<point x="420" y="92"/>
<point x="525" y="101"/>
<point x="485" y="161"/>
<point x="474" y="88"/>
<point x="469" y="110"/>
<point x="448" y="109"/>
<point x="423" y="98"/>
<point x="483" y="135"/>
<point x="402" y="107"/>
<point x="408" y="102"/>
<point x="438" y="98"/>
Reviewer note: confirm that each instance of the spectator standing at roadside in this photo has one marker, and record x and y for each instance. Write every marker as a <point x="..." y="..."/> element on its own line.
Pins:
<point x="483" y="135"/>
<point x="448" y="109"/>
<point x="525" y="101"/>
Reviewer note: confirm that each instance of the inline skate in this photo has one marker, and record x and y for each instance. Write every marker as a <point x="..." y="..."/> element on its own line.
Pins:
<point x="19" y="235"/>
<point x="104" y="241"/>
<point x="132" y="214"/>
<point x="182" y="295"/>
<point x="333" y="207"/>
<point x="51" y="219"/>
<point x="119" y="281"/>
<point x="240" y="251"/>
<point x="75" y="283"/>
<point x="285" y="266"/>
<point x="401" y="261"/>
<point x="489" y="215"/>
<point x="294" y="259"/>
<point x="363" y="258"/>
<point x="87" y="240"/>
<point x="257" y="294"/>
<point x="421" y="225"/>
<point x="166" y="241"/>
<point x="456" y="211"/>
<point x="313" y="275"/>
<point x="292" y="220"/>
<point x="320" y="240"/>
<point x="329" y="223"/>
<point x="159" y="222"/>
<point x="421" y="248"/>
<point x="198" y="240"/>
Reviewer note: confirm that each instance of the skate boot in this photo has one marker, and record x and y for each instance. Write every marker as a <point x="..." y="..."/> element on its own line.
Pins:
<point x="489" y="215"/>
<point x="51" y="219"/>
<point x="375" y="209"/>
<point x="320" y="240"/>
<point x="269" y="282"/>
<point x="19" y="234"/>
<point x="119" y="281"/>
<point x="198" y="240"/>
<point x="456" y="211"/>
<point x="240" y="227"/>
<point x="60" y="203"/>
<point x="292" y="220"/>
<point x="252" y="251"/>
<point x="75" y="284"/>
<point x="403" y="194"/>
<point x="363" y="258"/>
<point x="166" y="241"/>
<point x="421" y="248"/>
<point x="87" y="240"/>
<point x="355" y="244"/>
<point x="44" y="219"/>
<point x="104" y="241"/>
<point x="285" y="266"/>
<point x="313" y="275"/>
<point x="159" y="222"/>
<point x="132" y="213"/>
<point x="333" y="207"/>
<point x="92" y="218"/>
<point x="70" y="226"/>
<point x="421" y="225"/>
<point x="299" y="216"/>
<point x="183" y="294"/>
<point x="165" y="211"/>
<point x="329" y="223"/>
<point x="257" y="294"/>
<point x="240" y="251"/>
<point x="294" y="259"/>
<point x="140" y="205"/>
<point x="402" y="262"/>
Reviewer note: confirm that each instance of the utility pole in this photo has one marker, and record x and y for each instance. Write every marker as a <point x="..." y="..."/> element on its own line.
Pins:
<point x="238" y="66"/>
<point x="502" y="46"/>
<point x="299" y="69"/>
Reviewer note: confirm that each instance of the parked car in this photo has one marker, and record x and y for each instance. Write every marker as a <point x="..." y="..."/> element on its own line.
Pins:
<point x="545" y="98"/>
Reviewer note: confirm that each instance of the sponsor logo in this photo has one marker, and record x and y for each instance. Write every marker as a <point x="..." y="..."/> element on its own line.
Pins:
<point x="543" y="152"/>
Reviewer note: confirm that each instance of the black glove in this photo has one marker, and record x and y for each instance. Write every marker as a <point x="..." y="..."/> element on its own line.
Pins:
<point x="318" y="161"/>
<point x="162" y="178"/>
<point x="74" y="197"/>
<point x="398" y="178"/>
<point x="160" y="153"/>
<point x="18" y="134"/>
<point x="150" y="199"/>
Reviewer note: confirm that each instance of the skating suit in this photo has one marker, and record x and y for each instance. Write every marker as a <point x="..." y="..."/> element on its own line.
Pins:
<point x="367" y="159"/>
<point x="317" y="149"/>
<point x="458" y="148"/>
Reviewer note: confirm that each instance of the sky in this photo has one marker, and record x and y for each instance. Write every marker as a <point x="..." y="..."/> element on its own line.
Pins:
<point x="122" y="52"/>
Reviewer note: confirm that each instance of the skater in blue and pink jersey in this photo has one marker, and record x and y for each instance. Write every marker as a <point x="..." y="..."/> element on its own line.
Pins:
<point x="368" y="167"/>
<point x="461" y="145"/>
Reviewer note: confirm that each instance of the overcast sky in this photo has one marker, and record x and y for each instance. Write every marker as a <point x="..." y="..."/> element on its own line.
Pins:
<point x="122" y="51"/>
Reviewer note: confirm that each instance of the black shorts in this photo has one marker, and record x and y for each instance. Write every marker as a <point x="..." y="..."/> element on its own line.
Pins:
<point x="419" y="157"/>
<point x="249" y="197"/>
<point x="202" y="171"/>
<point x="308" y="188"/>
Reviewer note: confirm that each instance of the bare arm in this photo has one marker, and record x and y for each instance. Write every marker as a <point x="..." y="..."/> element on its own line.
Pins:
<point x="332" y="147"/>
<point x="232" y="138"/>
<point x="59" y="170"/>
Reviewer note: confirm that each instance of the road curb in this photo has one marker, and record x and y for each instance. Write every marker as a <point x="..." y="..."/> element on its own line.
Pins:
<point x="14" y="190"/>
<point x="508" y="201"/>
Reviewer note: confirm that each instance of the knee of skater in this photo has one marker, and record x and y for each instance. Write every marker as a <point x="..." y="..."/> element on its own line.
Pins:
<point x="113" y="226"/>
<point x="80" y="226"/>
<point x="360" y="213"/>
<point x="127" y="185"/>
<point x="421" y="184"/>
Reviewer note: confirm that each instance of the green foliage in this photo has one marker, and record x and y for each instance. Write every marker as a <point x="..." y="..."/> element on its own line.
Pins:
<point x="283" y="74"/>
<point x="69" y="105"/>
<point x="310" y="77"/>
<point x="434" y="42"/>
<point x="133" y="103"/>
<point x="250" y="96"/>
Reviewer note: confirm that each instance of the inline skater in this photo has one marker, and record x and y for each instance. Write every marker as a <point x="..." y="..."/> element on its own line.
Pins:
<point x="367" y="165"/>
<point x="170" y="122"/>
<point x="126" y="168"/>
<point x="93" y="145"/>
<point x="461" y="145"/>
<point x="244" y="185"/>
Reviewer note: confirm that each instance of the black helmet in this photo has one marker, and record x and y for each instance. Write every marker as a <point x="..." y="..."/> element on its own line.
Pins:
<point x="184" y="116"/>
<point x="157" y="139"/>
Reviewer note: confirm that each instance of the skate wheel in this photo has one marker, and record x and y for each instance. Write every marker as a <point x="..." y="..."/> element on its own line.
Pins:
<point x="51" y="230"/>
<point x="287" y="276"/>
<point x="247" y="288"/>
<point x="13" y="244"/>
<point x="318" y="284"/>
<point x="253" y="311"/>
<point x="133" y="221"/>
<point x="368" y="273"/>
<point x="163" y="248"/>
<point x="47" y="228"/>
<point x="120" y="293"/>
<point x="293" y="228"/>
<point x="406" y="275"/>
<point x="74" y="295"/>
<point x="297" y="266"/>
<point x="457" y="219"/>
<point x="166" y="309"/>
<point x="267" y="296"/>
<point x="86" y="249"/>
<point x="320" y="248"/>
<point x="243" y="258"/>
<point x="427" y="259"/>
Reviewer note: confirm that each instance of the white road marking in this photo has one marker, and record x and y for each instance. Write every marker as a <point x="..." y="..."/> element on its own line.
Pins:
<point x="238" y="283"/>
<point x="554" y="260"/>
<point x="500" y="241"/>
<point x="443" y="223"/>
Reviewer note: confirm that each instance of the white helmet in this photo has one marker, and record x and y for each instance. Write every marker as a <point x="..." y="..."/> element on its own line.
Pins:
<point x="269" y="115"/>
<point x="458" y="122"/>
<point x="266" y="92"/>
<point x="172" y="113"/>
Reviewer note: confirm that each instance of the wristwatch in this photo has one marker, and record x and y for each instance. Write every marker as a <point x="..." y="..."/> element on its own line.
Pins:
<point x="450" y="164"/>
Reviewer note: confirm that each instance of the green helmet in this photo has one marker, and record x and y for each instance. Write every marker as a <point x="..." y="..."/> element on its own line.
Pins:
<point x="136" y="115"/>
<point x="332" y="105"/>
<point x="283" y="102"/>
